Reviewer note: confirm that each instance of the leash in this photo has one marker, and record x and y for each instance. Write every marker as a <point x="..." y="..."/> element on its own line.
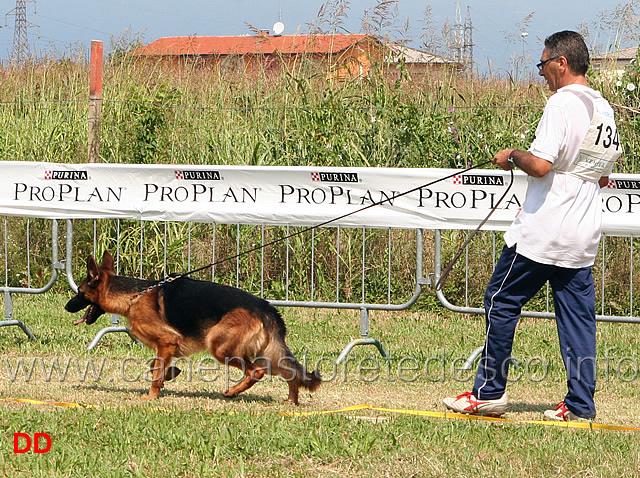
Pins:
<point x="310" y="228"/>
<point x="445" y="274"/>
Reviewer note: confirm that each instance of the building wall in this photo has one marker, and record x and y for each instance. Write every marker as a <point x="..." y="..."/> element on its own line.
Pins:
<point x="356" y="61"/>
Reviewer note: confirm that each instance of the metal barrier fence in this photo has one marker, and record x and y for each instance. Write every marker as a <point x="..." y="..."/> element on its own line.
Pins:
<point x="619" y="263"/>
<point x="602" y="271"/>
<point x="23" y="280"/>
<point x="332" y="267"/>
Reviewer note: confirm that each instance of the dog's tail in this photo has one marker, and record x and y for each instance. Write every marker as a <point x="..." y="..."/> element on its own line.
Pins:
<point x="282" y="360"/>
<point x="305" y="379"/>
<point x="284" y="363"/>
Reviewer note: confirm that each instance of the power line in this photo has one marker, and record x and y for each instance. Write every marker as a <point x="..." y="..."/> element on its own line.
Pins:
<point x="74" y="24"/>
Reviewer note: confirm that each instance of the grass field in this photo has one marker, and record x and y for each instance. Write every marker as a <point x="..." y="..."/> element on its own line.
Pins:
<point x="192" y="431"/>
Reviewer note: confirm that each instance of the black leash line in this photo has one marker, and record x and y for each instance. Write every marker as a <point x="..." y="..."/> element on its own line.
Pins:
<point x="445" y="274"/>
<point x="389" y="199"/>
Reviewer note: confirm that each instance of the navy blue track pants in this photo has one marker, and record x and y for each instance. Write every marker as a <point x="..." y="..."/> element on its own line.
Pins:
<point x="517" y="279"/>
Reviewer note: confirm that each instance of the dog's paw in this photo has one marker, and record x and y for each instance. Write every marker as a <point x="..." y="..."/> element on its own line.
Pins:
<point x="228" y="394"/>
<point x="150" y="396"/>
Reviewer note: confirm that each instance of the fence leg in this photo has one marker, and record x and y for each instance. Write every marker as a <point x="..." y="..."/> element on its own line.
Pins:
<point x="364" y="338"/>
<point x="476" y="353"/>
<point x="472" y="358"/>
<point x="20" y="324"/>
<point x="8" y="313"/>
<point x="115" y="327"/>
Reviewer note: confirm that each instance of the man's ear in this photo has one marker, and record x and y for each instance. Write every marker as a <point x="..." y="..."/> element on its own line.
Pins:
<point x="563" y="63"/>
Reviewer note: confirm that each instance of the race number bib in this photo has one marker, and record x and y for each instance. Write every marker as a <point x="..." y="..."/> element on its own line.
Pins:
<point x="600" y="149"/>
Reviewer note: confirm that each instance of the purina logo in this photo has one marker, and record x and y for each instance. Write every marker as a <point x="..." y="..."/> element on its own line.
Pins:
<point x="623" y="184"/>
<point x="66" y="175"/>
<point x="478" y="180"/>
<point x="335" y="177"/>
<point x="199" y="175"/>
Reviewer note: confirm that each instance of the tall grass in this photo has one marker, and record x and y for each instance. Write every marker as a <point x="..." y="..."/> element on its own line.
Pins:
<point x="153" y="114"/>
<point x="156" y="114"/>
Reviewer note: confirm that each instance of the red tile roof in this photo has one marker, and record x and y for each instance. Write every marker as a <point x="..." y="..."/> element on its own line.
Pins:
<point x="243" y="45"/>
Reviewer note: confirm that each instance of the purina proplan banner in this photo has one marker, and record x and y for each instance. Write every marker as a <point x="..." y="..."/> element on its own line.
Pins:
<point x="277" y="195"/>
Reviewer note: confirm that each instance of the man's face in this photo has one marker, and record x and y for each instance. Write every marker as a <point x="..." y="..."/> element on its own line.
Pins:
<point x="549" y="70"/>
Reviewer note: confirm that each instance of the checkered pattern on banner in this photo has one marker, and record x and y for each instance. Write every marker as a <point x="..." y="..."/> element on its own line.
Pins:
<point x="47" y="174"/>
<point x="612" y="184"/>
<point x="315" y="176"/>
<point x="179" y="175"/>
<point x="457" y="179"/>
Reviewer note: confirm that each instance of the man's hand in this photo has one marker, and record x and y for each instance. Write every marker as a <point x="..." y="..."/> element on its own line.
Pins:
<point x="529" y="163"/>
<point x="501" y="159"/>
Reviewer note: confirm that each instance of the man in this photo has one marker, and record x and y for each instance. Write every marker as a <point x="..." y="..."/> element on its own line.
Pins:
<point x="555" y="236"/>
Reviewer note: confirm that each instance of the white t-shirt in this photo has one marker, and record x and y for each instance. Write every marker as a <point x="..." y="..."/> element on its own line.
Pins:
<point x="559" y="223"/>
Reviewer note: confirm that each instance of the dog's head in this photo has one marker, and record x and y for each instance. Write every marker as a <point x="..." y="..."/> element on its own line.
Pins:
<point x="91" y="290"/>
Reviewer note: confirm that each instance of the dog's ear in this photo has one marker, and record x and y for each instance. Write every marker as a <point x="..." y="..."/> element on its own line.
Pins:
<point x="93" y="271"/>
<point x="108" y="262"/>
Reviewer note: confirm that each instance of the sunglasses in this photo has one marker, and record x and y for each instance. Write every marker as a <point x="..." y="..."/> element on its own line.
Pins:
<point x="542" y="63"/>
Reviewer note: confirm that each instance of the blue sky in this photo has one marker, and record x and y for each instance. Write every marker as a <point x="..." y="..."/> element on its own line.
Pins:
<point x="69" y="25"/>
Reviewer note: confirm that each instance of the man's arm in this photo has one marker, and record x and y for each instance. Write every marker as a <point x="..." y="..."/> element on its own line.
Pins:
<point x="529" y="163"/>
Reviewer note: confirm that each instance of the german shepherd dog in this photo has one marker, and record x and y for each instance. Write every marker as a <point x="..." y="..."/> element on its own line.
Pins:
<point x="176" y="318"/>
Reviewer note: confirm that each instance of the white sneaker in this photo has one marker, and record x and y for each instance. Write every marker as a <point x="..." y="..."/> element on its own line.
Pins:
<point x="562" y="414"/>
<point x="467" y="403"/>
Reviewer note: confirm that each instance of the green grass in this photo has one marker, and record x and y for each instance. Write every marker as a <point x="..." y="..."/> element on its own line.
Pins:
<point x="192" y="431"/>
<point x="124" y="443"/>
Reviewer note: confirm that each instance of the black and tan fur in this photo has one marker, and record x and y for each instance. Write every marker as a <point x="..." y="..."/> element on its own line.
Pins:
<point x="184" y="316"/>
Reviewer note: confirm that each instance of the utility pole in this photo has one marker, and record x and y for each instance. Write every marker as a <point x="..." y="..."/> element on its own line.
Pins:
<point x="460" y="39"/>
<point x="20" y="48"/>
<point x="456" y="36"/>
<point x="468" y="42"/>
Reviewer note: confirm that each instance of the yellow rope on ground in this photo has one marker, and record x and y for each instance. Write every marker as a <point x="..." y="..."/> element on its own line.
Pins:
<point x="40" y="402"/>
<point x="460" y="416"/>
<point x="353" y="408"/>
